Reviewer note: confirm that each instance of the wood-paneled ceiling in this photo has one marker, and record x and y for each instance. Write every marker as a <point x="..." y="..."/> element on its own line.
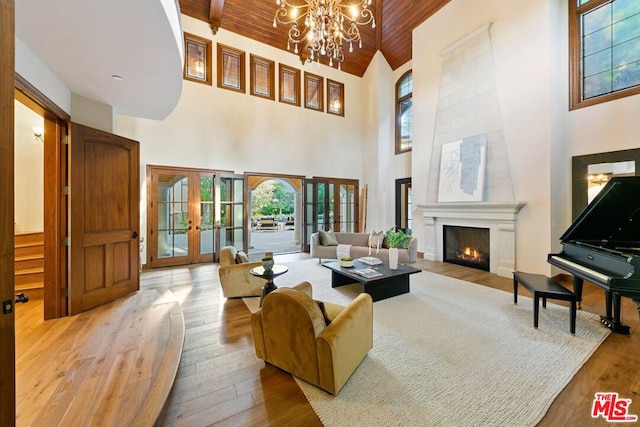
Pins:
<point x="395" y="19"/>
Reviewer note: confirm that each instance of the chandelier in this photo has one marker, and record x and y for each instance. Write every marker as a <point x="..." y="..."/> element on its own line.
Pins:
<point x="327" y="25"/>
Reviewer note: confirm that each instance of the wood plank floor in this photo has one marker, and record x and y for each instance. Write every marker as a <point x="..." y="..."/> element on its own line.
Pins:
<point x="113" y="365"/>
<point x="220" y="382"/>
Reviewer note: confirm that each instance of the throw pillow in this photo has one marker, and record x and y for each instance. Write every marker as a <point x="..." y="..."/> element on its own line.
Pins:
<point x="241" y="258"/>
<point x="327" y="321"/>
<point x="327" y="238"/>
<point x="376" y="239"/>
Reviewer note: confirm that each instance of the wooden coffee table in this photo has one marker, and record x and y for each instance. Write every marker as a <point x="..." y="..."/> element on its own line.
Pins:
<point x="388" y="284"/>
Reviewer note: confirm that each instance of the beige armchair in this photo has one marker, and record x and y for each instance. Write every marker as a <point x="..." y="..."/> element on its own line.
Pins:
<point x="290" y="332"/>
<point x="235" y="279"/>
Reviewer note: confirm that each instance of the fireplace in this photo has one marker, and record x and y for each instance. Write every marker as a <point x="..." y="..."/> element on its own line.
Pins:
<point x="468" y="246"/>
<point x="498" y="217"/>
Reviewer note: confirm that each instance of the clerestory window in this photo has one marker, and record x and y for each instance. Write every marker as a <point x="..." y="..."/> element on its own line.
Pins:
<point x="604" y="37"/>
<point x="404" y="113"/>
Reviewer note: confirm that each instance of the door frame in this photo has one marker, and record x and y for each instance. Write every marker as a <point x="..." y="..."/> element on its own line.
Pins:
<point x="254" y="179"/>
<point x="310" y="224"/>
<point x="335" y="197"/>
<point x="7" y="169"/>
<point x="402" y="207"/>
<point x="56" y="200"/>
<point x="220" y="204"/>
<point x="328" y="224"/>
<point x="151" y="211"/>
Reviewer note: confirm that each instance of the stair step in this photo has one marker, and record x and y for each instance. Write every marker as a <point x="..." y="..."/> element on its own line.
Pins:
<point x="24" y="238"/>
<point x="28" y="286"/>
<point x="29" y="249"/>
<point x="31" y="275"/>
<point x="29" y="261"/>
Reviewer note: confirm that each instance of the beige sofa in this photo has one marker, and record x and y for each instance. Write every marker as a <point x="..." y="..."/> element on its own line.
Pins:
<point x="359" y="248"/>
<point x="290" y="331"/>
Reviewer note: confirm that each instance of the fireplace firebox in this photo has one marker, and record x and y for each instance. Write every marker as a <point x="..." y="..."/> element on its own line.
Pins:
<point x="468" y="246"/>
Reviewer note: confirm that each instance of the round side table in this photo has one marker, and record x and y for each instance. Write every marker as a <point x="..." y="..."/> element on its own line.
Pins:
<point x="276" y="270"/>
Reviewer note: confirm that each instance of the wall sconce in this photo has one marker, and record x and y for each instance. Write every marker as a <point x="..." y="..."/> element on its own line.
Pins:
<point x="38" y="133"/>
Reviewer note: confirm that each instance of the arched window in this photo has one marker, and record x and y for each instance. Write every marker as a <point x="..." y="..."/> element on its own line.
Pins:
<point x="404" y="113"/>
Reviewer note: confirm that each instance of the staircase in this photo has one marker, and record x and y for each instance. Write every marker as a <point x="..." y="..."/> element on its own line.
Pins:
<point x="29" y="261"/>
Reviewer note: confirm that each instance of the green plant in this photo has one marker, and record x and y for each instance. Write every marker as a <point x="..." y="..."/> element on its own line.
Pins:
<point x="396" y="238"/>
<point x="346" y="258"/>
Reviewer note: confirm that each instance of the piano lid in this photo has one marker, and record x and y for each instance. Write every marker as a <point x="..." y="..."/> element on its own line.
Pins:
<point x="614" y="214"/>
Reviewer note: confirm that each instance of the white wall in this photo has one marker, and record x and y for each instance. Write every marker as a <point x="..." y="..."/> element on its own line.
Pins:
<point x="221" y="129"/>
<point x="215" y="128"/>
<point x="35" y="72"/>
<point x="377" y="154"/>
<point x="29" y="171"/>
<point x="520" y="40"/>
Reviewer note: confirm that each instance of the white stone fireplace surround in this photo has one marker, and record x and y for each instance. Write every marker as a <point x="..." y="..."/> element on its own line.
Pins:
<point x="499" y="218"/>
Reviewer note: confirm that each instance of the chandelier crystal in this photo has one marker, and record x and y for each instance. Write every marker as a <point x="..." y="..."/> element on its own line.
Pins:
<point x="321" y="27"/>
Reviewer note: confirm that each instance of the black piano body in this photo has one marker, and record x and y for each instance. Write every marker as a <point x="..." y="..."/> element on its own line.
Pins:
<point x="602" y="246"/>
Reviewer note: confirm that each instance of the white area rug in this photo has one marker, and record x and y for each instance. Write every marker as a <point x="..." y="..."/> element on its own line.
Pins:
<point x="452" y="353"/>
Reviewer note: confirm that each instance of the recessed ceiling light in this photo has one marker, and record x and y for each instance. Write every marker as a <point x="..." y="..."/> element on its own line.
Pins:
<point x="116" y="77"/>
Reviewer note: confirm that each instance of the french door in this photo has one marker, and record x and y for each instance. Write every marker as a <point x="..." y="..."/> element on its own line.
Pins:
<point x="329" y="204"/>
<point x="233" y="222"/>
<point x="315" y="209"/>
<point x="192" y="213"/>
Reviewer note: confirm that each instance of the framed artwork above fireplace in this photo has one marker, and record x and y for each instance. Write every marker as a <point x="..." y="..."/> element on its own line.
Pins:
<point x="462" y="170"/>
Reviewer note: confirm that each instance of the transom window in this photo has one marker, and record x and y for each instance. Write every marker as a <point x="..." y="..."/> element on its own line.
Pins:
<point x="605" y="50"/>
<point x="404" y="113"/>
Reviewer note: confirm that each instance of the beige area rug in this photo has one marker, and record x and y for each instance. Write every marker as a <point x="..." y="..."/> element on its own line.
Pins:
<point x="452" y="353"/>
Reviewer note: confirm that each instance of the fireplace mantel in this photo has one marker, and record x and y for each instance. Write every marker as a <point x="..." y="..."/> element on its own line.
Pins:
<point x="499" y="217"/>
<point x="487" y="210"/>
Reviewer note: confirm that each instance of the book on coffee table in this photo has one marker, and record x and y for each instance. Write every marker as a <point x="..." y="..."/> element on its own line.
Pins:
<point x="367" y="272"/>
<point x="371" y="260"/>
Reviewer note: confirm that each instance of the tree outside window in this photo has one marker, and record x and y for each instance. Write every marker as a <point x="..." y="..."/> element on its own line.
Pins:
<point x="604" y="50"/>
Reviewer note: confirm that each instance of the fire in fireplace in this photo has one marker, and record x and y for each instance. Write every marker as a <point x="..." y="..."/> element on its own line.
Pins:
<point x="468" y="246"/>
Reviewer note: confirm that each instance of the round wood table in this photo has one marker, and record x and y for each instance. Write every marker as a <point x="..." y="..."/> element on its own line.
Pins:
<point x="268" y="275"/>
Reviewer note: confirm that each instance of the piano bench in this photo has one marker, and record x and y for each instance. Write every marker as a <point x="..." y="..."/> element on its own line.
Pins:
<point x="543" y="287"/>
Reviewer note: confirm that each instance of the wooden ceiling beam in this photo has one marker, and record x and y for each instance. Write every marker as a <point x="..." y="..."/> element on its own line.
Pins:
<point x="215" y="14"/>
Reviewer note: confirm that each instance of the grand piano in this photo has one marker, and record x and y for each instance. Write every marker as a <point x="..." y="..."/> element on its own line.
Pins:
<point x="602" y="246"/>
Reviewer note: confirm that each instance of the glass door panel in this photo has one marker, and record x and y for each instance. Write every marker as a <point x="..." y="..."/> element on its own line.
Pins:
<point x="205" y="227"/>
<point x="173" y="223"/>
<point x="348" y="214"/>
<point x="169" y="218"/>
<point x="316" y="209"/>
<point x="233" y="215"/>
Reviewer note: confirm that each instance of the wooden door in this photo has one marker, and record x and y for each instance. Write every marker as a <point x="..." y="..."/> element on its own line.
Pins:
<point x="7" y="296"/>
<point x="105" y="252"/>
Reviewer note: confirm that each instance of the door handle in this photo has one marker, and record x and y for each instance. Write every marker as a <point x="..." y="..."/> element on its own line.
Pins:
<point x="134" y="235"/>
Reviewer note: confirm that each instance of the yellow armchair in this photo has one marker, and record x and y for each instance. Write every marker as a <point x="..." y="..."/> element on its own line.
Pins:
<point x="235" y="279"/>
<point x="290" y="332"/>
